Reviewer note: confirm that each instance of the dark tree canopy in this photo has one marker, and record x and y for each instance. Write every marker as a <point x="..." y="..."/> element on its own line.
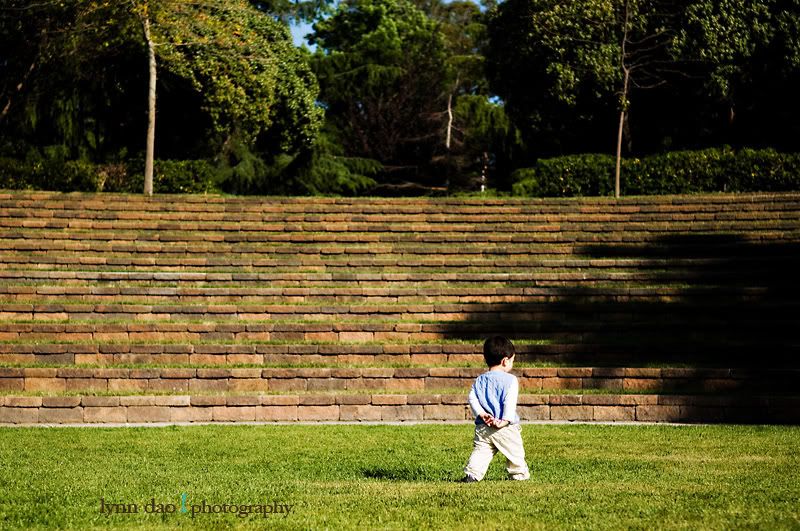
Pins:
<point x="425" y="92"/>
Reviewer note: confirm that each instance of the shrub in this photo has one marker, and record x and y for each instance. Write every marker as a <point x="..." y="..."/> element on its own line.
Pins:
<point x="169" y="177"/>
<point x="678" y="172"/>
<point x="46" y="172"/>
<point x="49" y="173"/>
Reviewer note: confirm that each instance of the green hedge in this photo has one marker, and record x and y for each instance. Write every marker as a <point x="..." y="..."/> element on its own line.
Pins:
<point x="170" y="176"/>
<point x="678" y="172"/>
<point x="43" y="174"/>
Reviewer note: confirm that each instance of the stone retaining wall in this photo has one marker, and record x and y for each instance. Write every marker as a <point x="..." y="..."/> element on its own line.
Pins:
<point x="629" y="379"/>
<point x="420" y="407"/>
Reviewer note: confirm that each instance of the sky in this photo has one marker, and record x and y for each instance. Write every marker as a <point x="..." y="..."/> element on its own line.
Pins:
<point x="299" y="31"/>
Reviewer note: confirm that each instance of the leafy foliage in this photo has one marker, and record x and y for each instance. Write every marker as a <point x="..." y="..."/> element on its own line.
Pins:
<point x="677" y="172"/>
<point x="228" y="70"/>
<point x="381" y="67"/>
<point x="398" y="92"/>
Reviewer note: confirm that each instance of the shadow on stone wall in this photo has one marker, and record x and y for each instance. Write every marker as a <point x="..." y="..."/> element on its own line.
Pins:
<point x="698" y="300"/>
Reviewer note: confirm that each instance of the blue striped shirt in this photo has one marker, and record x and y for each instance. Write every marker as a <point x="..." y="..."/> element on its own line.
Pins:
<point x="495" y="393"/>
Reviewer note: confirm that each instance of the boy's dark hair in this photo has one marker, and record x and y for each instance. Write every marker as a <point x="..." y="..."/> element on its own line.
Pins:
<point x="496" y="348"/>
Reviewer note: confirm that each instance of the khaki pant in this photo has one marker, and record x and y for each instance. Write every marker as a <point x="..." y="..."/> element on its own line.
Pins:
<point x="488" y="441"/>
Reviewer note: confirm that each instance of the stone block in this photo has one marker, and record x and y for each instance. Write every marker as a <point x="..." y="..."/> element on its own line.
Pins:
<point x="61" y="401"/>
<point x="86" y="384"/>
<point x="359" y="412"/>
<point x="271" y="413"/>
<point x="137" y="400"/>
<point x="173" y="400"/>
<point x="19" y="415"/>
<point x="60" y="415"/>
<point x="287" y="385"/>
<point x="614" y="413"/>
<point x="46" y="384"/>
<point x="389" y="400"/>
<point x="353" y="400"/>
<point x="206" y="400"/>
<point x="148" y="413"/>
<point x="562" y="383"/>
<point x="656" y="413"/>
<point x="98" y="414"/>
<point x="642" y="372"/>
<point x="572" y="413"/>
<point x="455" y="400"/>
<point x="200" y="385"/>
<point x="574" y="372"/>
<point x="174" y="386"/>
<point x="243" y="400"/>
<point x="190" y="414"/>
<point x="23" y="401"/>
<point x="402" y="413"/>
<point x="566" y="400"/>
<point x="317" y="400"/>
<point x="356" y="337"/>
<point x="248" y="385"/>
<point x="234" y="413"/>
<point x="326" y="384"/>
<point x="533" y="400"/>
<point x="279" y="400"/>
<point x="642" y="384"/>
<point x="124" y="384"/>
<point x="12" y="384"/>
<point x="533" y="412"/>
<point x="420" y="399"/>
<point x="316" y="413"/>
<point x="444" y="412"/>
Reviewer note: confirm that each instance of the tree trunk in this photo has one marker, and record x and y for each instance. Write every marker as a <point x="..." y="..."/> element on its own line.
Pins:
<point x="151" y="110"/>
<point x="619" y="134"/>
<point x="623" y="99"/>
<point x="449" y="121"/>
<point x="19" y="87"/>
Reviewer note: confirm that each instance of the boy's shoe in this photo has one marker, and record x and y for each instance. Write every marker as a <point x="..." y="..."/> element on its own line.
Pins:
<point x="520" y="477"/>
<point x="468" y="479"/>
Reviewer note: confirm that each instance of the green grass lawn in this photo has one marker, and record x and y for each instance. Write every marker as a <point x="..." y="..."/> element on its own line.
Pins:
<point x="349" y="476"/>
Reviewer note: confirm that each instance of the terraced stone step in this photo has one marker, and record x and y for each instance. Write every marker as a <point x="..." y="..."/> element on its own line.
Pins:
<point x="558" y="272"/>
<point x="34" y="297"/>
<point x="101" y="351"/>
<point x="382" y="407"/>
<point x="603" y="308"/>
<point x="192" y="380"/>
<point x="207" y="284"/>
<point x="333" y="263"/>
<point x="109" y="347"/>
<point x="211" y="203"/>
<point x="348" y="222"/>
<point x="400" y="230"/>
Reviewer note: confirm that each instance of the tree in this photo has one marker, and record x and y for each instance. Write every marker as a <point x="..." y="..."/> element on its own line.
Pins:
<point x="381" y="68"/>
<point x="748" y="52"/>
<point x="63" y="62"/>
<point x="239" y="58"/>
<point x="460" y="156"/>
<point x="229" y="67"/>
<point x="559" y="65"/>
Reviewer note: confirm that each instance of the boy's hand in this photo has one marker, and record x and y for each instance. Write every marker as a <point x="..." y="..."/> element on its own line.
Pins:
<point x="494" y="422"/>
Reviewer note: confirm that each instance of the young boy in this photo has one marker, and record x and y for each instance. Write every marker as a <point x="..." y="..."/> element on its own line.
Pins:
<point x="493" y="400"/>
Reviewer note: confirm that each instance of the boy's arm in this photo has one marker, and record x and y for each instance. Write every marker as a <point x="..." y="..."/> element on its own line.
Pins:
<point x="475" y="405"/>
<point x="510" y="404"/>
